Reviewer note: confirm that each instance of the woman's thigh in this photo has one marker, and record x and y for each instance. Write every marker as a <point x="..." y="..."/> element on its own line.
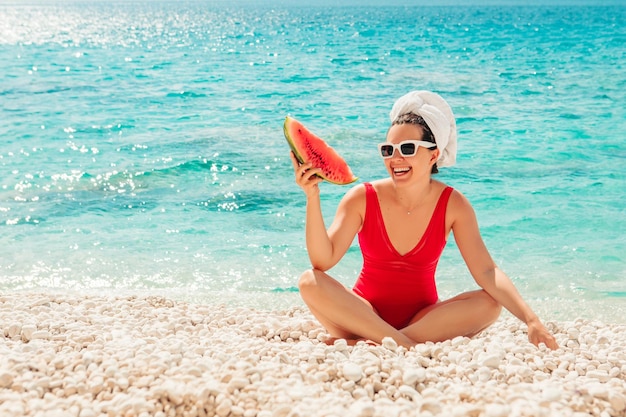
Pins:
<point x="323" y="295"/>
<point x="464" y="315"/>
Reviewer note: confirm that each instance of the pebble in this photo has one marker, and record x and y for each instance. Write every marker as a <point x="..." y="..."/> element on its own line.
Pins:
<point x="617" y="401"/>
<point x="13" y="330"/>
<point x="497" y="410"/>
<point x="550" y="394"/>
<point x="352" y="371"/>
<point x="149" y="356"/>
<point x="40" y="334"/>
<point x="87" y="412"/>
<point x="224" y="408"/>
<point x="573" y="333"/>
<point x="6" y="379"/>
<point x="27" y="332"/>
<point x="408" y="392"/>
<point x="602" y="376"/>
<point x="362" y="408"/>
<point x="491" y="360"/>
<point x="390" y="344"/>
<point x="412" y="376"/>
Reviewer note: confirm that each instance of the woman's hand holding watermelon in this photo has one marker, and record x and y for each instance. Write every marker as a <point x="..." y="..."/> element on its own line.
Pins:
<point x="307" y="176"/>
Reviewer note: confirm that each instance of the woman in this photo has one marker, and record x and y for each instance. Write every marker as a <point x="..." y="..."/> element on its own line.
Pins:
<point x="403" y="223"/>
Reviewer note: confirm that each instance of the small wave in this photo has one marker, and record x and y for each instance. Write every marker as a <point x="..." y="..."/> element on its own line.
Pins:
<point x="129" y="181"/>
<point x="185" y="94"/>
<point x="367" y="33"/>
<point x="616" y="294"/>
<point x="300" y="78"/>
<point x="461" y="120"/>
<point x="531" y="93"/>
<point x="246" y="201"/>
<point x="285" y="289"/>
<point x="19" y="221"/>
<point x="570" y="116"/>
<point x="181" y="169"/>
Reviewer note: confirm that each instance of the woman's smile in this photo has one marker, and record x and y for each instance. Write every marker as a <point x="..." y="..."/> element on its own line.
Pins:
<point x="401" y="171"/>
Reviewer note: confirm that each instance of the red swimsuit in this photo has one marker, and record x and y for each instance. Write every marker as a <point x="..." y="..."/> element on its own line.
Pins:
<point x="399" y="286"/>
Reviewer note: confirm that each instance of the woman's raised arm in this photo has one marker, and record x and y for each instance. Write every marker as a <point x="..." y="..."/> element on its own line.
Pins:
<point x="327" y="247"/>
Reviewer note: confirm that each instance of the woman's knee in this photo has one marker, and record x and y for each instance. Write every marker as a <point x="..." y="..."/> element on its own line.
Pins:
<point x="490" y="305"/>
<point x="309" y="281"/>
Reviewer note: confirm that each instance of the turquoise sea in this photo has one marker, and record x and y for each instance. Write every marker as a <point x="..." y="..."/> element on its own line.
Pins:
<point x="142" y="146"/>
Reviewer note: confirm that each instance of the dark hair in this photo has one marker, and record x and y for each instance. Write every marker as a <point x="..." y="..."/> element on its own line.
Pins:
<point x="417" y="120"/>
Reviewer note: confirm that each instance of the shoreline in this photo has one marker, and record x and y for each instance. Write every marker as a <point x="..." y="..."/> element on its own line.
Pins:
<point x="147" y="355"/>
<point x="611" y="311"/>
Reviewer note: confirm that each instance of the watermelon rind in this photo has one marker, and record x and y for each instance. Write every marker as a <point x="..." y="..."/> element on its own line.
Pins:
<point x="300" y="158"/>
<point x="290" y="141"/>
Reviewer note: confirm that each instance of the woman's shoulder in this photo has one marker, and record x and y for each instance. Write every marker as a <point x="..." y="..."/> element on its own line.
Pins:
<point x="455" y="195"/>
<point x="354" y="200"/>
<point x="361" y="189"/>
<point x="357" y="192"/>
<point x="458" y="204"/>
<point x="381" y="184"/>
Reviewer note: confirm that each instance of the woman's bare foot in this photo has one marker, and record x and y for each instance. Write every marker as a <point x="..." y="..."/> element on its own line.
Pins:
<point x="351" y="342"/>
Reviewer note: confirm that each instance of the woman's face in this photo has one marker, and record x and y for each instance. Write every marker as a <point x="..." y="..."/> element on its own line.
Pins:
<point x="404" y="168"/>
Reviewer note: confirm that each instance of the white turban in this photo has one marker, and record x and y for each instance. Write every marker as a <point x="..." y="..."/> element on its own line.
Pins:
<point x="438" y="116"/>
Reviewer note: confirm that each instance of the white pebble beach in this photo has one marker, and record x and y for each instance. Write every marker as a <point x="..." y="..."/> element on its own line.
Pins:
<point x="92" y="356"/>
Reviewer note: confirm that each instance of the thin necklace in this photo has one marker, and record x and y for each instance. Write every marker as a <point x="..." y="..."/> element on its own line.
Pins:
<point x="409" y="210"/>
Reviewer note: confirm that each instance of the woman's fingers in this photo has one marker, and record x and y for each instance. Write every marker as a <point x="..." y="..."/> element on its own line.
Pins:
<point x="540" y="334"/>
<point x="305" y="173"/>
<point x="308" y="175"/>
<point x="294" y="160"/>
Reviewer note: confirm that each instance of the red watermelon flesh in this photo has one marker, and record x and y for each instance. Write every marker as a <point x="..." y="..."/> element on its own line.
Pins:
<point x="308" y="147"/>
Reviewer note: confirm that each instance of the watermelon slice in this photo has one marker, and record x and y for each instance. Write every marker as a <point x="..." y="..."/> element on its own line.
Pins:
<point x="311" y="148"/>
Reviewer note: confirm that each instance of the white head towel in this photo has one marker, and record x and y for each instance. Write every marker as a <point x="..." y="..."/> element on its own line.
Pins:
<point x="438" y="116"/>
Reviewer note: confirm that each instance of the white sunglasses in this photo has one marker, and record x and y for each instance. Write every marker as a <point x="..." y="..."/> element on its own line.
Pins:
<point x="406" y="147"/>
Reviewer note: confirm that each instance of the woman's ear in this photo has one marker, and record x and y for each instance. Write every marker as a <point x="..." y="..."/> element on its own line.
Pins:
<point x="434" y="156"/>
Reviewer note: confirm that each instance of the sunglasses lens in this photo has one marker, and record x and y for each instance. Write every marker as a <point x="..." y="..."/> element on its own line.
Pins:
<point x="407" y="149"/>
<point x="386" y="151"/>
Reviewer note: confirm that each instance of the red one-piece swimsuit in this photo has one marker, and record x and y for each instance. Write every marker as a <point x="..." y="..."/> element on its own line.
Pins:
<point x="399" y="286"/>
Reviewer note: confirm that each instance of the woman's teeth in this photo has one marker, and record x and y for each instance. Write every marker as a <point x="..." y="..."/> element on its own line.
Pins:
<point x="401" y="171"/>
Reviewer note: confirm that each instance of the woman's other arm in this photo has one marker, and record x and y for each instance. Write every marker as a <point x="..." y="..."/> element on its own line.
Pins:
<point x="486" y="273"/>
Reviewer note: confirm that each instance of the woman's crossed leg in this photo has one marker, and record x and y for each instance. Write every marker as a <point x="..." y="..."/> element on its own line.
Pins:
<point x="346" y="315"/>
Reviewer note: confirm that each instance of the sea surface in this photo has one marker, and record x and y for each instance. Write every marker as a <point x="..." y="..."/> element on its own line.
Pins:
<point x="142" y="148"/>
